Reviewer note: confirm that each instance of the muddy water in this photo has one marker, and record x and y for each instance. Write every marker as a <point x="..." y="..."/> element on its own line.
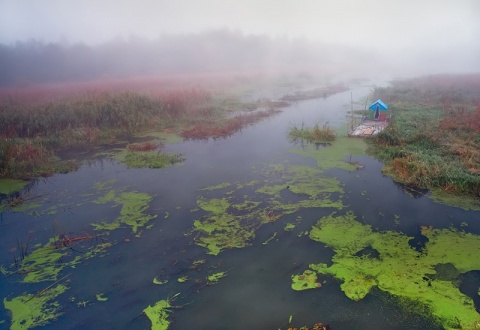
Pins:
<point x="256" y="293"/>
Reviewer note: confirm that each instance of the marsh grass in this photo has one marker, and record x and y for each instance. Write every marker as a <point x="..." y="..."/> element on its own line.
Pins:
<point x="33" y="132"/>
<point x="432" y="141"/>
<point x="315" y="134"/>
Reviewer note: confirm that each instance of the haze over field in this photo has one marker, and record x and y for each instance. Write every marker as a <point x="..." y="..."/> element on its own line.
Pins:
<point x="57" y="40"/>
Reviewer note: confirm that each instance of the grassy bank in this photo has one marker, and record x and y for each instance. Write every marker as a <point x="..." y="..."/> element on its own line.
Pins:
<point x="433" y="140"/>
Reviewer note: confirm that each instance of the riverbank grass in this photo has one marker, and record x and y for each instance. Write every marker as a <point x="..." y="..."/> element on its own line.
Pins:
<point x="433" y="141"/>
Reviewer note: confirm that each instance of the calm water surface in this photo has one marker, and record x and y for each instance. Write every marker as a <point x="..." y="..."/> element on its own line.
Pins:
<point x="256" y="293"/>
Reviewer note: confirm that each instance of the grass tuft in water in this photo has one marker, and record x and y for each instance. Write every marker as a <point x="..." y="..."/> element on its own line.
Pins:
<point x="315" y="134"/>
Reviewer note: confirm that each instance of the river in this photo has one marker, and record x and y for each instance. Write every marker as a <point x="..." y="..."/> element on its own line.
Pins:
<point x="110" y="288"/>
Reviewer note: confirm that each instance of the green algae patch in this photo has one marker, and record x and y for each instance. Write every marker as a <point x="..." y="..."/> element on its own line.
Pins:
<point x="223" y="231"/>
<point x="213" y="205"/>
<point x="232" y="220"/>
<point x="399" y="269"/>
<point x="336" y="154"/>
<point x="148" y="159"/>
<point x="214" y="278"/>
<point x="303" y="181"/>
<point x="182" y="279"/>
<point x="132" y="213"/>
<point x="30" y="311"/>
<point x="158" y="314"/>
<point x="158" y="281"/>
<point x="247" y="205"/>
<point x="465" y="202"/>
<point x="308" y="180"/>
<point x="8" y="186"/>
<point x="101" y="297"/>
<point x="218" y="186"/>
<point x="271" y="238"/>
<point x="197" y="263"/>
<point x="102" y="185"/>
<point x="307" y="280"/>
<point x="44" y="263"/>
<point x="289" y="227"/>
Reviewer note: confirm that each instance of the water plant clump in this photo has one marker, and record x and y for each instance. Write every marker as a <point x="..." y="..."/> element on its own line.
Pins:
<point x="399" y="269"/>
<point x="307" y="280"/>
<point x="315" y="134"/>
<point x="214" y="278"/>
<point x="148" y="159"/>
<point x="8" y="186"/>
<point x="31" y="311"/>
<point x="147" y="154"/>
<point x="46" y="262"/>
<point x="132" y="213"/>
<point x="337" y="155"/>
<point x="158" y="314"/>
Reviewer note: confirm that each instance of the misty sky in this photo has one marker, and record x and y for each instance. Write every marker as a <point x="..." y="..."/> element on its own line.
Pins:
<point x="396" y="24"/>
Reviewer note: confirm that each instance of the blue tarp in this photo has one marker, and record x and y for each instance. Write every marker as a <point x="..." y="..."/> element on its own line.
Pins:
<point x="381" y="105"/>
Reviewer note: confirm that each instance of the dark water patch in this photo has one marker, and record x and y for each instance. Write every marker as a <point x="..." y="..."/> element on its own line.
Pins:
<point x="368" y="252"/>
<point x="470" y="286"/>
<point x="445" y="272"/>
<point x="418" y="241"/>
<point x="415" y="192"/>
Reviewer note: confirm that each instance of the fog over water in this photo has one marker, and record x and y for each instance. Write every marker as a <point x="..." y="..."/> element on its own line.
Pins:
<point x="56" y="40"/>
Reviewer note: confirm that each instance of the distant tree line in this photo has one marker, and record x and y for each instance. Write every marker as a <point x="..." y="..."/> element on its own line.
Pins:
<point x="38" y="62"/>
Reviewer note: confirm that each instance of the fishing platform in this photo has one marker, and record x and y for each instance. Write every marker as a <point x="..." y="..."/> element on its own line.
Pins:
<point x="376" y="121"/>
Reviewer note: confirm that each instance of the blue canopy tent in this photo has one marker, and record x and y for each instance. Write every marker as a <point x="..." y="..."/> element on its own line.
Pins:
<point x="376" y="109"/>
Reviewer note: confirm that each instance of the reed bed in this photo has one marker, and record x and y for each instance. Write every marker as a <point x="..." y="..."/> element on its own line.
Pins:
<point x="205" y="129"/>
<point x="32" y="131"/>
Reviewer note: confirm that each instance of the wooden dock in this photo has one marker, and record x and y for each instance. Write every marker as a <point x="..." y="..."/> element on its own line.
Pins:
<point x="368" y="128"/>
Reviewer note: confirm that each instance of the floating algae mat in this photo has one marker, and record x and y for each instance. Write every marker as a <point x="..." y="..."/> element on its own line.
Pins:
<point x="399" y="269"/>
<point x="148" y="159"/>
<point x="8" y="186"/>
<point x="158" y="314"/>
<point x="132" y="213"/>
<point x="232" y="220"/>
<point x="31" y="311"/>
<point x="334" y="156"/>
<point x="46" y="262"/>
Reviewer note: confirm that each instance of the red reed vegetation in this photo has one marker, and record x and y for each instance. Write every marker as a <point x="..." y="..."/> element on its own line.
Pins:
<point x="209" y="129"/>
<point x="461" y="119"/>
<point x="142" y="146"/>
